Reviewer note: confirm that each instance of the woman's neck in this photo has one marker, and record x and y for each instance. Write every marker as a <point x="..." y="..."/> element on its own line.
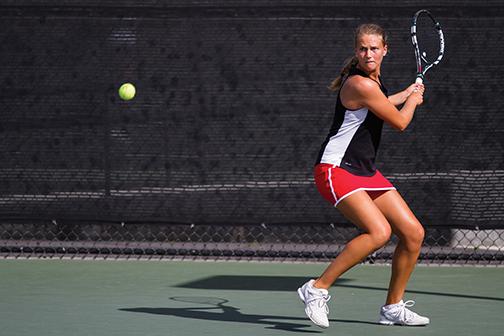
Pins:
<point x="374" y="75"/>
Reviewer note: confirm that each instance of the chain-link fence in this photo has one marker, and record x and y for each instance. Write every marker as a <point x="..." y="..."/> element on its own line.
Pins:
<point x="306" y="242"/>
<point x="213" y="157"/>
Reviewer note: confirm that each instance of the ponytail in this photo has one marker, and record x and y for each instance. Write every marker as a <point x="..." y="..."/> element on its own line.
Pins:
<point x="349" y="63"/>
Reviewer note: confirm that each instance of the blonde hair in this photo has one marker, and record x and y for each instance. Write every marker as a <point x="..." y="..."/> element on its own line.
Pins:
<point x="363" y="29"/>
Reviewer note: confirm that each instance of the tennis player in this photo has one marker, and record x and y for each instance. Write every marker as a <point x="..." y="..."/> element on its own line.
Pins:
<point x="346" y="176"/>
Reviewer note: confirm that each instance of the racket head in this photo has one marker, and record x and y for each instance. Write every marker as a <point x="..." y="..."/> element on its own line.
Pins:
<point x="428" y="41"/>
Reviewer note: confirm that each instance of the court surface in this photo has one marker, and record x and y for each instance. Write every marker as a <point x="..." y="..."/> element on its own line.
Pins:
<point x="83" y="297"/>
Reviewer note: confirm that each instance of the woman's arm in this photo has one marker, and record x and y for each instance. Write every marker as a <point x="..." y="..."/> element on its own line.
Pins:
<point x="400" y="97"/>
<point x="361" y="92"/>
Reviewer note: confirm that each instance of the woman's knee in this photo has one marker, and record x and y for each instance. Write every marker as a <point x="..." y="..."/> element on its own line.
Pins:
<point x="381" y="235"/>
<point x="414" y="237"/>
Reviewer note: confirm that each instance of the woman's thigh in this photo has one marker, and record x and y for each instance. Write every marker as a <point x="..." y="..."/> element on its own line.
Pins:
<point x="402" y="220"/>
<point x="362" y="211"/>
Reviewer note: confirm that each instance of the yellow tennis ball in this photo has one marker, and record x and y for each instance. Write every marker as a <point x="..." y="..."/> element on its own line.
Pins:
<point x="127" y="91"/>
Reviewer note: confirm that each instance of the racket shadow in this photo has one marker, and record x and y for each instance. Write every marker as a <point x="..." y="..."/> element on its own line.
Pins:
<point x="224" y="312"/>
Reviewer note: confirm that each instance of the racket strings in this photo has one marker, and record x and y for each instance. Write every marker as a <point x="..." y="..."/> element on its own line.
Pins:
<point x="427" y="34"/>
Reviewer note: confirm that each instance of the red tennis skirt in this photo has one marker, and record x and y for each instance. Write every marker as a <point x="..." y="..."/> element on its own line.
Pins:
<point x="335" y="183"/>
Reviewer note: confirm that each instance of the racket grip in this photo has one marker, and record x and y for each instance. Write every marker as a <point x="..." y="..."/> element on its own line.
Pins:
<point x="419" y="80"/>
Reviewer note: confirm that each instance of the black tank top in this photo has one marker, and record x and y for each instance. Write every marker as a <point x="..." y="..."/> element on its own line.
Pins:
<point x="354" y="137"/>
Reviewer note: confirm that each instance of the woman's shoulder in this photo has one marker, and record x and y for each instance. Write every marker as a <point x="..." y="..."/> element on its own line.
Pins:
<point x="360" y="84"/>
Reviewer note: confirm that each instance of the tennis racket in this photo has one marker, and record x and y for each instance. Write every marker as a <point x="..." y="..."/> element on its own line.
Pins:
<point x="428" y="41"/>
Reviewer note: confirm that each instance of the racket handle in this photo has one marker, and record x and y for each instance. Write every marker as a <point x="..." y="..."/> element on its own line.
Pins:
<point x="419" y="80"/>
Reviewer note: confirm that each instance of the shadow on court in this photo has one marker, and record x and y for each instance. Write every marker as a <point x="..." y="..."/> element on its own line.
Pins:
<point x="220" y="311"/>
<point x="251" y="282"/>
<point x="285" y="283"/>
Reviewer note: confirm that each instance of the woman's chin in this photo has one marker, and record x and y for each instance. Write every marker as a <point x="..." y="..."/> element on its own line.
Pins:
<point x="369" y="67"/>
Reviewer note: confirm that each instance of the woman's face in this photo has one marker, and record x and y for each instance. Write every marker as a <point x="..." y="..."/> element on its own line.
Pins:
<point x="370" y="51"/>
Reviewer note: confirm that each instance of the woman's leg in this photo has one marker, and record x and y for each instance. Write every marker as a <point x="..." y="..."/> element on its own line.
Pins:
<point x="411" y="234"/>
<point x="360" y="209"/>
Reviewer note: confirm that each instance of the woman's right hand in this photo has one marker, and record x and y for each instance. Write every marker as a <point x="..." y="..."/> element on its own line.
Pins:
<point x="416" y="97"/>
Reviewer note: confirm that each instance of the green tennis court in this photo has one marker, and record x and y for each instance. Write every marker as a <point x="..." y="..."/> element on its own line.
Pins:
<point x="62" y="297"/>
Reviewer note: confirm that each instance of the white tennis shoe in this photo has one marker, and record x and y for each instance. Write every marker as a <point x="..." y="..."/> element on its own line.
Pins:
<point x="315" y="300"/>
<point x="399" y="314"/>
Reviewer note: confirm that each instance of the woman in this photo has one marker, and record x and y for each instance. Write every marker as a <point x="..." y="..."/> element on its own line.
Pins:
<point x="347" y="177"/>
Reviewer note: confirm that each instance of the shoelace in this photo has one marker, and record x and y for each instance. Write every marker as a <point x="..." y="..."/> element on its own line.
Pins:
<point x="407" y="314"/>
<point x="321" y="301"/>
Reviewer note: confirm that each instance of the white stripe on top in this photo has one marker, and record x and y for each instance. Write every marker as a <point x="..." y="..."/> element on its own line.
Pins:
<point x="338" y="143"/>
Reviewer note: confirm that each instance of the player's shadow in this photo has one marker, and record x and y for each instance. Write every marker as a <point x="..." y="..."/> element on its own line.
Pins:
<point x="228" y="313"/>
<point x="284" y="283"/>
